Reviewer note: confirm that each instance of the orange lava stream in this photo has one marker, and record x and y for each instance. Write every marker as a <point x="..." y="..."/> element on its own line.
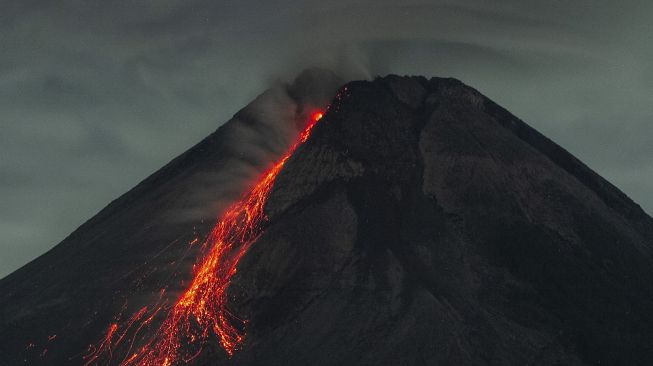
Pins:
<point x="201" y="311"/>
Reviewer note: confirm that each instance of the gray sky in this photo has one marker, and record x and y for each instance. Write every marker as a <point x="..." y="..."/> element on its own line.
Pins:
<point x="95" y="97"/>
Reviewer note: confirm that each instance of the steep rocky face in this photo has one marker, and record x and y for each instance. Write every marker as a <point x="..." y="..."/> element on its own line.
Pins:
<point x="53" y="308"/>
<point x="420" y="224"/>
<point x="423" y="224"/>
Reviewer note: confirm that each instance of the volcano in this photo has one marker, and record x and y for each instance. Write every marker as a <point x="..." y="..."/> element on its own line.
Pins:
<point x="399" y="221"/>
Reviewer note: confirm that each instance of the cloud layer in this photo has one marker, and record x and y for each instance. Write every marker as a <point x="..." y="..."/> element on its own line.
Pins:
<point x="95" y="97"/>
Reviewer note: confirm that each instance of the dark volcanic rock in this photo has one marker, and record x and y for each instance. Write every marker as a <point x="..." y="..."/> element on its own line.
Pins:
<point x="420" y="224"/>
<point x="53" y="308"/>
<point x="423" y="224"/>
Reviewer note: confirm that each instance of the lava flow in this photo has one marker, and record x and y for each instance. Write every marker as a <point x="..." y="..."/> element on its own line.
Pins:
<point x="201" y="311"/>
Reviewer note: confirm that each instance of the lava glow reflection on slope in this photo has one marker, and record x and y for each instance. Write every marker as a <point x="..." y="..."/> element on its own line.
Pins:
<point x="201" y="311"/>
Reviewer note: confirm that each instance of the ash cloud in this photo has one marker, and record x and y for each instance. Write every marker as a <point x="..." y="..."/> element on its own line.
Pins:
<point x="94" y="96"/>
<point x="255" y="138"/>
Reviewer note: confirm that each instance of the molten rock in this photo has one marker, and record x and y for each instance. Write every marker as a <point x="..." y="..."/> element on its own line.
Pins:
<point x="419" y="224"/>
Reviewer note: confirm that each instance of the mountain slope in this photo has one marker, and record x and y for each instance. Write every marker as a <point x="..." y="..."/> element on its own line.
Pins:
<point x="420" y="223"/>
<point x="423" y="224"/>
<point x="53" y="308"/>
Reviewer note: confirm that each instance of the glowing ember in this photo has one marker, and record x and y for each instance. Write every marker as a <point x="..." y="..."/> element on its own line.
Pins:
<point x="316" y="116"/>
<point x="201" y="311"/>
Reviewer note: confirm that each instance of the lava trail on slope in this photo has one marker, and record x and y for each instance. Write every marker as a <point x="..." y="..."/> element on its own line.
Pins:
<point x="200" y="313"/>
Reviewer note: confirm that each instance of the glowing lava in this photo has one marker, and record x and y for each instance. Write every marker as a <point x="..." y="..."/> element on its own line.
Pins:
<point x="201" y="311"/>
<point x="316" y="116"/>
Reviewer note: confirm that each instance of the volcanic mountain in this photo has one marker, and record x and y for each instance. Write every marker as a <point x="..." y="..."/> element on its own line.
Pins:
<point x="399" y="221"/>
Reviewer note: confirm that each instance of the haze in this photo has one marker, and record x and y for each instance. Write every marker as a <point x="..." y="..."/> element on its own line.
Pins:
<point x="95" y="97"/>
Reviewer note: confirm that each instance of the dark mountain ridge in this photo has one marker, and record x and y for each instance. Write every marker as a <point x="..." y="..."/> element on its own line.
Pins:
<point x="420" y="223"/>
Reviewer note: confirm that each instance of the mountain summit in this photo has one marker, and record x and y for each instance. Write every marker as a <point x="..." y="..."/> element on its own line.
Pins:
<point x="405" y="221"/>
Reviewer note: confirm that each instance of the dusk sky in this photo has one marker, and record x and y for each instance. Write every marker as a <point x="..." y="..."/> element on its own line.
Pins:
<point x="97" y="95"/>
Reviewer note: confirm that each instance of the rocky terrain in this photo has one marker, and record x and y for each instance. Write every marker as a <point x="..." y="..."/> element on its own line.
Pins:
<point x="420" y="224"/>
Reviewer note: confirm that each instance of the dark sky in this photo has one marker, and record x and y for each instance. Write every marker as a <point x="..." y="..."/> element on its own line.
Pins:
<point x="97" y="95"/>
